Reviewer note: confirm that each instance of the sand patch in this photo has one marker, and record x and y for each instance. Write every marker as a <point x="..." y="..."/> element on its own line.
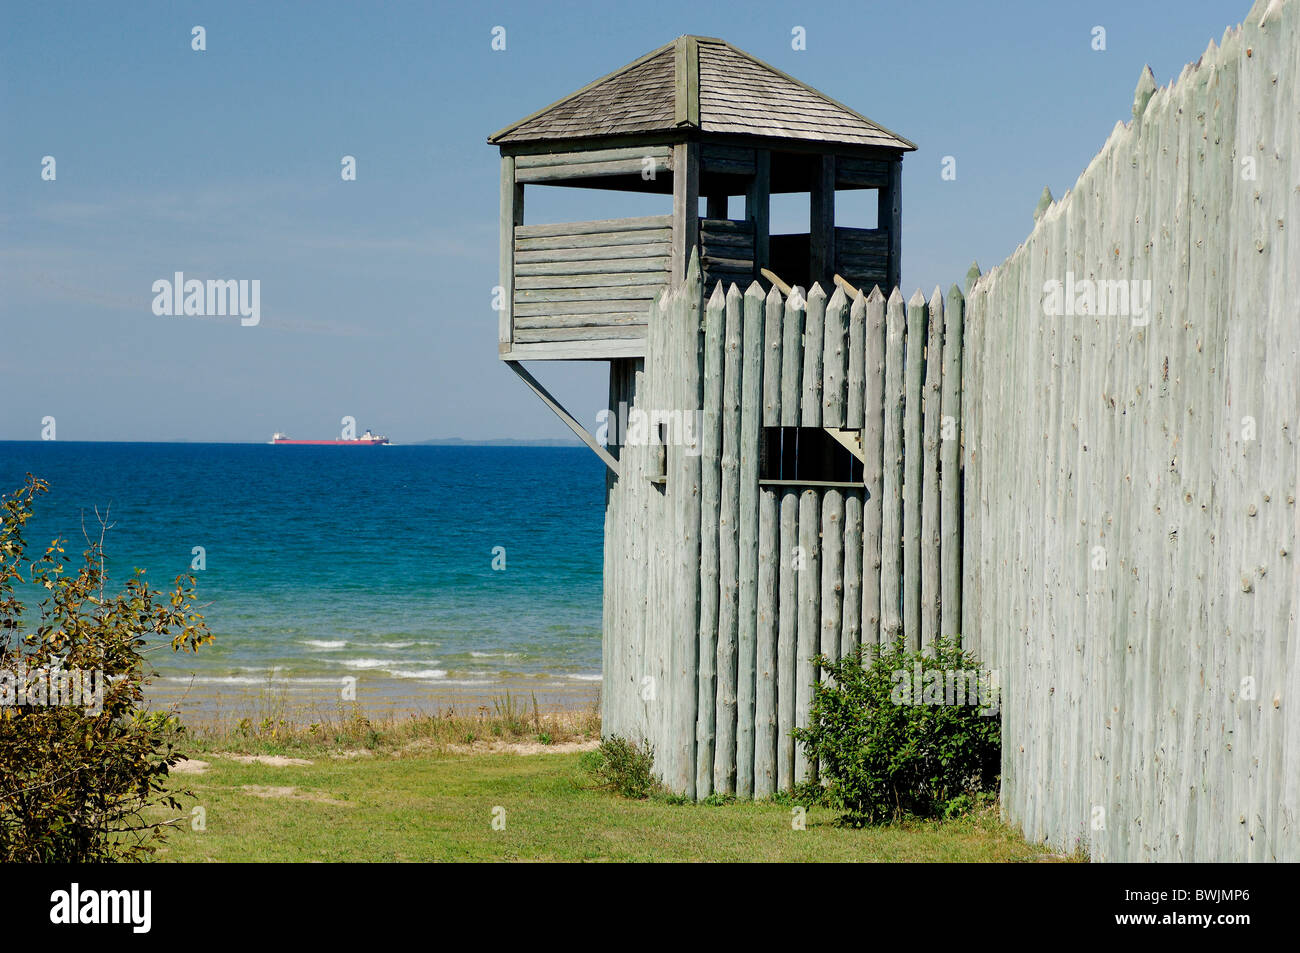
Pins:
<point x="189" y="766"/>
<point x="351" y="753"/>
<point x="524" y="747"/>
<point x="273" y="760"/>
<point x="290" y="793"/>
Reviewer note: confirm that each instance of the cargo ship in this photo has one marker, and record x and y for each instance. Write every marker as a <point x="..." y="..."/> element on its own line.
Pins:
<point x="367" y="439"/>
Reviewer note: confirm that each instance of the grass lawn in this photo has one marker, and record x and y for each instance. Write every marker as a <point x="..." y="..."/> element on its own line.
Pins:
<point x="435" y="804"/>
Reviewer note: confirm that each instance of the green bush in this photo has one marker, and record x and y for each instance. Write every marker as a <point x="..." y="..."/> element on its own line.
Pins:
<point x="623" y="767"/>
<point x="884" y="751"/>
<point x="81" y="775"/>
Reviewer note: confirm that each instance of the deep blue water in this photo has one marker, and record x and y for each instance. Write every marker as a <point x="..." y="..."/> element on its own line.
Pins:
<point x="331" y="561"/>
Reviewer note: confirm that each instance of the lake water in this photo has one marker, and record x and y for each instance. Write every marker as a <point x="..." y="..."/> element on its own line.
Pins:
<point x="324" y="563"/>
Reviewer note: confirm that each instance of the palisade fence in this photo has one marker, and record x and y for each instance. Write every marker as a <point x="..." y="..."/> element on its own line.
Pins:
<point x="1131" y="478"/>
<point x="748" y="542"/>
<point x="1085" y="467"/>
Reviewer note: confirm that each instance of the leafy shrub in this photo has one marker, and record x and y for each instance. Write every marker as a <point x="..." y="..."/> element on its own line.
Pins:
<point x="623" y="767"/>
<point x="884" y="752"/>
<point x="79" y="781"/>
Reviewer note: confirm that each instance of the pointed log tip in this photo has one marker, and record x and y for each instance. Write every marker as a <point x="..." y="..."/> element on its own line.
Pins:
<point x="974" y="270"/>
<point x="755" y="290"/>
<point x="936" y="294"/>
<point x="839" y="298"/>
<point x="918" y="299"/>
<point x="955" y="293"/>
<point x="859" y="306"/>
<point x="719" y="293"/>
<point x="1146" y="87"/>
<point x="895" y="296"/>
<point x="773" y="295"/>
<point x="816" y="291"/>
<point x="693" y="268"/>
<point x="876" y="295"/>
<point x="1044" y="203"/>
<point x="734" y="292"/>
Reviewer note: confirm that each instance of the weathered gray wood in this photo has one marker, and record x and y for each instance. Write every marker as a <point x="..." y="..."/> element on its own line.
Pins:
<point x="651" y="680"/>
<point x="649" y="265"/>
<point x="512" y="217"/>
<point x="865" y="242"/>
<point x="738" y="266"/>
<point x="614" y="308"/>
<point x="597" y="283"/>
<point x="972" y="461"/>
<point x="684" y="459"/>
<point x="835" y="359"/>
<point x="792" y="355"/>
<point x="686" y="205"/>
<point x="787" y="692"/>
<point x="772" y="342"/>
<point x="767" y="670"/>
<point x="913" y="468"/>
<point x="832" y="582"/>
<point x="890" y="214"/>
<point x="814" y="329"/>
<point x="857" y="355"/>
<point x="631" y="292"/>
<point x="596" y="252"/>
<point x="731" y="160"/>
<point x="931" y="556"/>
<point x="891" y="566"/>
<point x="751" y="416"/>
<point x="590" y="170"/>
<point x="594" y="240"/>
<point x="724" y="761"/>
<point x="1129" y="548"/>
<point x="851" y="619"/>
<point x="758" y="206"/>
<point x="821" y="224"/>
<point x="581" y="333"/>
<point x="871" y="310"/>
<point x="611" y="694"/>
<point x="604" y="349"/>
<point x="856" y="173"/>
<point x="710" y="498"/>
<point x="651" y="223"/>
<point x="951" y="490"/>
<point x="588" y="156"/>
<point x="808" y="570"/>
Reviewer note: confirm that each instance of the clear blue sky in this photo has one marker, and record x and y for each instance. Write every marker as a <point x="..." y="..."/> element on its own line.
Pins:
<point x="376" y="293"/>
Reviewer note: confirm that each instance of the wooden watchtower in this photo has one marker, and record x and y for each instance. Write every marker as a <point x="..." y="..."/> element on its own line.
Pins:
<point x="694" y="118"/>
<point x="767" y="424"/>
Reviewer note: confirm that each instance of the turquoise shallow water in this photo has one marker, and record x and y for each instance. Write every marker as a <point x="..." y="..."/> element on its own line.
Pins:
<point x="374" y="563"/>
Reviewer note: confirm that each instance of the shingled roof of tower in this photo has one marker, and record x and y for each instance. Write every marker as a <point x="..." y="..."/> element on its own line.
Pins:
<point x="706" y="84"/>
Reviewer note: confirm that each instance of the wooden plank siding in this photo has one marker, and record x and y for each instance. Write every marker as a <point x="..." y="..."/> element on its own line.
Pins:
<point x="862" y="256"/>
<point x="727" y="251"/>
<point x="588" y="281"/>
